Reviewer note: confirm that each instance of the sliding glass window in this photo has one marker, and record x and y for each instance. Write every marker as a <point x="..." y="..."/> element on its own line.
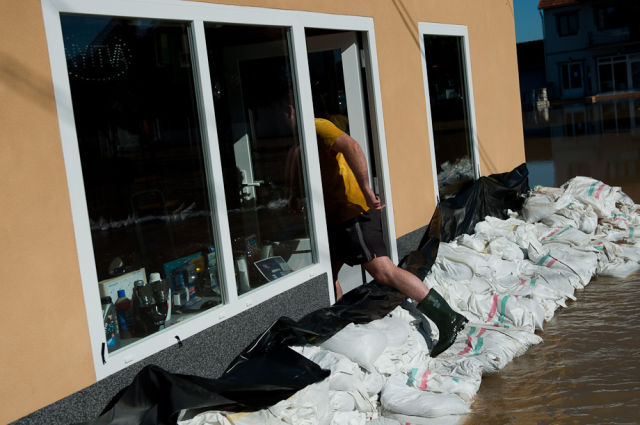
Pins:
<point x="147" y="169"/>
<point x="252" y="77"/>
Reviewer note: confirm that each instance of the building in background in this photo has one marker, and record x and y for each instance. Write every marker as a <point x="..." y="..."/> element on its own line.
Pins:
<point x="592" y="47"/>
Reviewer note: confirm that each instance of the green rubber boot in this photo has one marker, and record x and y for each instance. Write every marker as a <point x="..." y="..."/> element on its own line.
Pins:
<point x="449" y="322"/>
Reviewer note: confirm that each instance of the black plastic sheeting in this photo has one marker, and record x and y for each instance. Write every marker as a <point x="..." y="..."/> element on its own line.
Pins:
<point x="488" y="196"/>
<point x="268" y="371"/>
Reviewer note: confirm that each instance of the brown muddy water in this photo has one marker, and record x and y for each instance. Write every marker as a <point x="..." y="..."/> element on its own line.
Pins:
<point x="586" y="371"/>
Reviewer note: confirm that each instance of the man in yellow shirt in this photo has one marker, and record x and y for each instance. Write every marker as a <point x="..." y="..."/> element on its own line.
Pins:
<point x="354" y="226"/>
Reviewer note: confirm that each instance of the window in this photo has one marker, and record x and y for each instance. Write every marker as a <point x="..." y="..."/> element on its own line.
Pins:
<point x="252" y="77"/>
<point x="609" y="17"/>
<point x="177" y="132"/>
<point x="612" y="74"/>
<point x="571" y="76"/>
<point x="143" y="168"/>
<point x="450" y="106"/>
<point x="567" y="24"/>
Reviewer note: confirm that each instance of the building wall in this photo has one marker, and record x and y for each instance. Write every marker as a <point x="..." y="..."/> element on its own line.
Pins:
<point x="46" y="354"/>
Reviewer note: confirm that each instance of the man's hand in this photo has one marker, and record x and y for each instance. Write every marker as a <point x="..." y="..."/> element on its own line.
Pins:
<point x="373" y="200"/>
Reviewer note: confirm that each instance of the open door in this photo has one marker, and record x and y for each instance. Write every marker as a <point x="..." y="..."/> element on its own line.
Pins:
<point x="336" y="74"/>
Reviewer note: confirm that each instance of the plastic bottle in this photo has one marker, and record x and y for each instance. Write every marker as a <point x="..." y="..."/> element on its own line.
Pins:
<point x="161" y="294"/>
<point x="109" y="317"/>
<point x="180" y="292"/>
<point x="125" y="315"/>
<point x="146" y="317"/>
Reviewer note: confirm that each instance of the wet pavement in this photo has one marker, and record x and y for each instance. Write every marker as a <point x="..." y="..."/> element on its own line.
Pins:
<point x="587" y="369"/>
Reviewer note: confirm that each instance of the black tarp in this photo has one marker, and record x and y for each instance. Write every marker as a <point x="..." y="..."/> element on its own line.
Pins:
<point x="488" y="196"/>
<point x="266" y="372"/>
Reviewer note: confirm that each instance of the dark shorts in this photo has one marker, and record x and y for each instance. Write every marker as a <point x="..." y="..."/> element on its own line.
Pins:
<point x="358" y="240"/>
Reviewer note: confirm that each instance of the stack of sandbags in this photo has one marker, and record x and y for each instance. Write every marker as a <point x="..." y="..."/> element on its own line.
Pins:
<point x="508" y="278"/>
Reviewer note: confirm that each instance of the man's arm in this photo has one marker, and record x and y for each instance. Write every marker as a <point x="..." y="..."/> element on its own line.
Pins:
<point x="354" y="156"/>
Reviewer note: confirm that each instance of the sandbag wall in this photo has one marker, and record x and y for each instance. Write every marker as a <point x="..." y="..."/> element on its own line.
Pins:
<point x="508" y="277"/>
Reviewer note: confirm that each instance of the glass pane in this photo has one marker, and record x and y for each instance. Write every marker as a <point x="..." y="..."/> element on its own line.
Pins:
<point x="565" y="76"/>
<point x="576" y="75"/>
<point x="620" y="75"/>
<point x="450" y="112"/>
<point x="143" y="168"/>
<point x="606" y="77"/>
<point x="327" y="82"/>
<point x="255" y="102"/>
<point x="635" y="75"/>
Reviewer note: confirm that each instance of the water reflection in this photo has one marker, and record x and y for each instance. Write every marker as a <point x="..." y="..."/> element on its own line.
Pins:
<point x="584" y="372"/>
<point x="598" y="140"/>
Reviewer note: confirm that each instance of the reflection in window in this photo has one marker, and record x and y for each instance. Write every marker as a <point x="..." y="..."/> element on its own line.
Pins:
<point x="567" y="24"/>
<point x="449" y="112"/>
<point x="252" y="81"/>
<point x="612" y="72"/>
<point x="143" y="168"/>
<point x="571" y="76"/>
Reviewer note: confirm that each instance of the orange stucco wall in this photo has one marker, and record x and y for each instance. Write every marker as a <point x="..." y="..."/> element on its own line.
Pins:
<point x="45" y="351"/>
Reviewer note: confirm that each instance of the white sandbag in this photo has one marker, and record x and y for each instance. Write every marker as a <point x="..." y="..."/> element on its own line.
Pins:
<point x="563" y="281"/>
<point x="505" y="249"/>
<point x="474" y="242"/>
<point x="398" y="397"/>
<point x="544" y="258"/>
<point x="582" y="263"/>
<point x="577" y="215"/>
<point x="417" y="420"/>
<point x="471" y="259"/>
<point x="395" y="330"/>
<point x="360" y="344"/>
<point x="341" y="401"/>
<point x="384" y="421"/>
<point x="347" y="377"/>
<point x="306" y="407"/>
<point x="567" y="234"/>
<point x="349" y="418"/>
<point x="428" y="379"/>
<point x="542" y="202"/>
<point x="599" y="195"/>
<point x="309" y="406"/>
<point x="494" y="309"/>
<point x="494" y="347"/>
<point x="373" y="382"/>
<point x="399" y="358"/>
<point x="620" y="269"/>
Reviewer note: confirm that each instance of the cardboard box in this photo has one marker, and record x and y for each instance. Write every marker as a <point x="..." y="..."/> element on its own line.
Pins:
<point x="109" y="287"/>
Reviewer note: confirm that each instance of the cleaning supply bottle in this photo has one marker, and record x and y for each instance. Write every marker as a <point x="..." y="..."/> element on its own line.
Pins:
<point x="125" y="315"/>
<point x="109" y="317"/>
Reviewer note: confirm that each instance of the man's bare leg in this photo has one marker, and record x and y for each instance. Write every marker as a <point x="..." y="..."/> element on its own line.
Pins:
<point x="384" y="271"/>
<point x="335" y="269"/>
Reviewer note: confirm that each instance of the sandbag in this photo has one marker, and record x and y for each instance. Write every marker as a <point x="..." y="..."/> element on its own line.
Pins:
<point x="398" y="397"/>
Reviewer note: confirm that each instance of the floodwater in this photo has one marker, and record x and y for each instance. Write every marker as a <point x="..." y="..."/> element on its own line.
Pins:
<point x="587" y="369"/>
<point x="599" y="140"/>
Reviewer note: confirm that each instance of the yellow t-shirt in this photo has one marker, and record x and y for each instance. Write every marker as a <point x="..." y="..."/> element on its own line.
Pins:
<point x="343" y="198"/>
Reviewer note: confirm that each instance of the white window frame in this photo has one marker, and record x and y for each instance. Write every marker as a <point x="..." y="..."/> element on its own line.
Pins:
<point x="196" y="14"/>
<point x="431" y="28"/>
